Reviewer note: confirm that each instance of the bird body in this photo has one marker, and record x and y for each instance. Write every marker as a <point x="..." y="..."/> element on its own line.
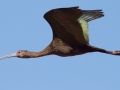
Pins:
<point x="70" y="34"/>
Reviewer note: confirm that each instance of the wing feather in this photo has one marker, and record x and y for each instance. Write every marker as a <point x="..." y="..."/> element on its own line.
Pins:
<point x="71" y="24"/>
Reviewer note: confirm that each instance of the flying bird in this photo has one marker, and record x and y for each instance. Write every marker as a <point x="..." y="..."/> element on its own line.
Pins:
<point x="70" y="34"/>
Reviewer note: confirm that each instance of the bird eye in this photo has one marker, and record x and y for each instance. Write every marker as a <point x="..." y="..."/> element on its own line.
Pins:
<point x="18" y="52"/>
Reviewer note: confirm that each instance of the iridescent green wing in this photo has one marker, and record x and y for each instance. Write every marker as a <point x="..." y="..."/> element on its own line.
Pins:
<point x="71" y="24"/>
<point x="76" y="21"/>
<point x="84" y="24"/>
<point x="87" y="16"/>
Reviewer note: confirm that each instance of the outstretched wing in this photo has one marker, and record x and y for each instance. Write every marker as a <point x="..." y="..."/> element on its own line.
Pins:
<point x="71" y="24"/>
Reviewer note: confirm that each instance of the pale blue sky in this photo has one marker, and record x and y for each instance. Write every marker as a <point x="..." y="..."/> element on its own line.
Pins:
<point x="22" y="26"/>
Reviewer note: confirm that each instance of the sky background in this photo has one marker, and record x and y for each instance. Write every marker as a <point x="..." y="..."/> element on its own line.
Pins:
<point x="22" y="26"/>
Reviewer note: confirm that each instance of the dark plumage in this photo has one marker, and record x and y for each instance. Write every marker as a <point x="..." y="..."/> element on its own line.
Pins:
<point x="70" y="34"/>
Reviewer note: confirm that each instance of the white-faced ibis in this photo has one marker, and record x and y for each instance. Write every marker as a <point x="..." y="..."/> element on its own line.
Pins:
<point x="70" y="34"/>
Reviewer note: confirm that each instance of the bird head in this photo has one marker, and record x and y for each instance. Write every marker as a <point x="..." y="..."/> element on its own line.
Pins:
<point x="20" y="54"/>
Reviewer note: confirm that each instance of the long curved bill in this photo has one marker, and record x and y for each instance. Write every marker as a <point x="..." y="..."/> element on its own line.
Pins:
<point x="8" y="56"/>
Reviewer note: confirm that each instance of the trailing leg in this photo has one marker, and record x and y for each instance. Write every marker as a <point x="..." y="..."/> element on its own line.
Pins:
<point x="96" y="49"/>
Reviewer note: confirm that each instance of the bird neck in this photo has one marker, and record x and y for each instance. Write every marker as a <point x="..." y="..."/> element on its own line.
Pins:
<point x="46" y="51"/>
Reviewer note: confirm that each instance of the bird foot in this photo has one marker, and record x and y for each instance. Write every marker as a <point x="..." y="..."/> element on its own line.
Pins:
<point x="116" y="52"/>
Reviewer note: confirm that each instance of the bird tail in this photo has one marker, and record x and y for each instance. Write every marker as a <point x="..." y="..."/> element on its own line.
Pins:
<point x="89" y="15"/>
<point x="96" y="49"/>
